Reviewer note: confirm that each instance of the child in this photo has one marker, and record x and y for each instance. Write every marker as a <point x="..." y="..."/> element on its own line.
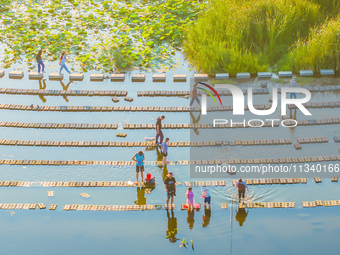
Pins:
<point x="164" y="149"/>
<point x="139" y="159"/>
<point x="190" y="199"/>
<point x="206" y="195"/>
<point x="62" y="62"/>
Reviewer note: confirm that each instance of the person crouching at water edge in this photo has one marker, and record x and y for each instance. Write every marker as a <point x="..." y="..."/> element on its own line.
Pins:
<point x="139" y="159"/>
<point x="170" y="187"/>
<point x="164" y="149"/>
<point x="241" y="186"/>
<point x="190" y="199"/>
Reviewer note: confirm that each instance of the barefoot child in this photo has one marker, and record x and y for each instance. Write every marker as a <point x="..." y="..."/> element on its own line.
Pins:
<point x="164" y="149"/>
<point x="139" y="159"/>
<point x="206" y="196"/>
<point x="190" y="199"/>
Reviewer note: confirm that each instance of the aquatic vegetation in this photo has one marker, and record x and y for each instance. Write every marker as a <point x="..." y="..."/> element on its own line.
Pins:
<point x="251" y="36"/>
<point x="103" y="35"/>
<point x="321" y="50"/>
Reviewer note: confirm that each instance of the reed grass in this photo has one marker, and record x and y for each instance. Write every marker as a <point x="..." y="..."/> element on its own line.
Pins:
<point x="252" y="36"/>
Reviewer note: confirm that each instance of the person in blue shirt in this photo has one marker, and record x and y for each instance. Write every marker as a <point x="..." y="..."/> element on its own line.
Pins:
<point x="292" y="84"/>
<point x="164" y="149"/>
<point x="139" y="159"/>
<point x="241" y="186"/>
<point x="206" y="195"/>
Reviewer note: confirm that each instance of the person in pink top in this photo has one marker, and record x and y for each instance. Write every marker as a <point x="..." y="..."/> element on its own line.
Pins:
<point x="190" y="199"/>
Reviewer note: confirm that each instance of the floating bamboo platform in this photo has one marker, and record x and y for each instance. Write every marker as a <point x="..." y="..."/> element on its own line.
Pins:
<point x="75" y="207"/>
<point x="321" y="203"/>
<point x="268" y="205"/>
<point x="58" y="125"/>
<point x="163" y="109"/>
<point x="47" y="143"/>
<point x="273" y="181"/>
<point x="22" y="206"/>
<point x="256" y="91"/>
<point x="44" y="92"/>
<point x="100" y="184"/>
<point x="171" y="163"/>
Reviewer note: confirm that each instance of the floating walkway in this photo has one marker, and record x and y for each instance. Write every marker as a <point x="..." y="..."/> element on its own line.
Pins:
<point x="263" y="205"/>
<point x="75" y="207"/>
<point x="256" y="91"/>
<point x="44" y="92"/>
<point x="58" y="125"/>
<point x="147" y="144"/>
<point x="273" y="181"/>
<point x="171" y="163"/>
<point x="22" y="206"/>
<point x="101" y="184"/>
<point x="310" y="122"/>
<point x="321" y="203"/>
<point x="164" y="126"/>
<point x="147" y="108"/>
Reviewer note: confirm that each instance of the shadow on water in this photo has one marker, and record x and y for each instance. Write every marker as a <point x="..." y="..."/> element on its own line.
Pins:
<point x="241" y="216"/>
<point x="191" y="218"/>
<point x="65" y="88"/>
<point x="195" y="121"/>
<point x="42" y="85"/>
<point x="172" y="227"/>
<point x="206" y="217"/>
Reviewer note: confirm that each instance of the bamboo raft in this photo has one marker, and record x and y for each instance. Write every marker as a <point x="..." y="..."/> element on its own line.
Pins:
<point x="171" y="163"/>
<point x="111" y="93"/>
<point x="75" y="207"/>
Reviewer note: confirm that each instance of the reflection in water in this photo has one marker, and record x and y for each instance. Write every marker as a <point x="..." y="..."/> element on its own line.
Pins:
<point x="241" y="216"/>
<point x="292" y="115"/>
<point x="206" y="217"/>
<point x="191" y="218"/>
<point x="65" y="88"/>
<point x="195" y="121"/>
<point x="172" y="227"/>
<point x="42" y="85"/>
<point x="141" y="199"/>
<point x="165" y="172"/>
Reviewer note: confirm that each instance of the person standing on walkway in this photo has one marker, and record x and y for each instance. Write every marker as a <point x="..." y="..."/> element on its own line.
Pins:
<point x="206" y="196"/>
<point x="62" y="62"/>
<point x="164" y="149"/>
<point x="292" y="84"/>
<point x="139" y="159"/>
<point x="194" y="95"/>
<point x="241" y="186"/>
<point x="40" y="62"/>
<point x="159" y="132"/>
<point x="190" y="199"/>
<point x="170" y="187"/>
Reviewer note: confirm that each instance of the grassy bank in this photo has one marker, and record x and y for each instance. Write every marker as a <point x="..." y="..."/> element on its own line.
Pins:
<point x="251" y="36"/>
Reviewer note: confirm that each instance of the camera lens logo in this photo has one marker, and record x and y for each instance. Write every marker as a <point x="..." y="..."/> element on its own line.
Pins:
<point x="208" y="92"/>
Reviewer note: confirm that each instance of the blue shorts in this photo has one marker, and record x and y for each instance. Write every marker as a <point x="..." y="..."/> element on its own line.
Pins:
<point x="292" y="95"/>
<point x="170" y="194"/>
<point x="207" y="200"/>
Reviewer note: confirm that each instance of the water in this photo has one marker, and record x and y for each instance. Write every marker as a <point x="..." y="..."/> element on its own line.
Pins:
<point x="271" y="231"/>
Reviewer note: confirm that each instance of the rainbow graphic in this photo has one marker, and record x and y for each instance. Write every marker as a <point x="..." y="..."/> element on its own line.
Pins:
<point x="209" y="93"/>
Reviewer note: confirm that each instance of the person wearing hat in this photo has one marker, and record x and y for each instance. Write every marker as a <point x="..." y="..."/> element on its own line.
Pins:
<point x="241" y="185"/>
<point x="170" y="187"/>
